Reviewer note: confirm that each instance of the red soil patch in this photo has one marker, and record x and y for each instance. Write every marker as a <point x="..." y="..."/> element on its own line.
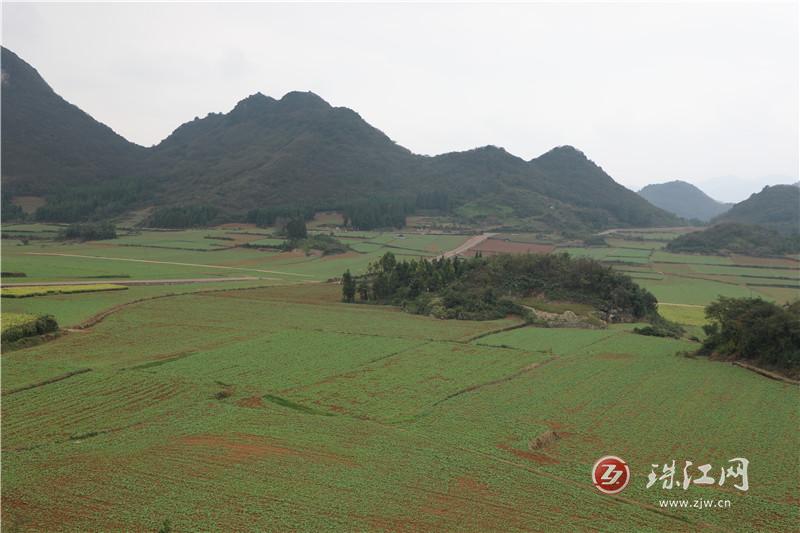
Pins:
<point x="539" y="458"/>
<point x="252" y="402"/>
<point x="469" y="484"/>
<point x="496" y="246"/>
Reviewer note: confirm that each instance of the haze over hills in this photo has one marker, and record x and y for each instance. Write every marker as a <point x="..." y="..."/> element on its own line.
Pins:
<point x="298" y="151"/>
<point x="684" y="200"/>
<point x="776" y="207"/>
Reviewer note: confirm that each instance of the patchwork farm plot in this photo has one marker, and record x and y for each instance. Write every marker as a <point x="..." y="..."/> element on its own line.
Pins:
<point x="268" y="404"/>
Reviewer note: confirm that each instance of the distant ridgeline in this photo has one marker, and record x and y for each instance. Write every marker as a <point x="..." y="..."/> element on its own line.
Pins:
<point x="298" y="151"/>
<point x="488" y="288"/>
<point x="733" y="238"/>
<point x="684" y="200"/>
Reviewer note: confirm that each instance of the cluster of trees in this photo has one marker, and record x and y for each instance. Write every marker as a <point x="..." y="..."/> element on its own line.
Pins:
<point x="297" y="236"/>
<point x="89" y="231"/>
<point x="93" y="202"/>
<point x="269" y="216"/>
<point x="295" y="229"/>
<point x="369" y="215"/>
<point x="730" y="237"/>
<point x="327" y="244"/>
<point x="754" y="330"/>
<point x="486" y="288"/>
<point x="433" y="200"/>
<point x="189" y="216"/>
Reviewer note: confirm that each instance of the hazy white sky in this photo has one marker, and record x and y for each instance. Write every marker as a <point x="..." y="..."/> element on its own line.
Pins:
<point x="651" y="92"/>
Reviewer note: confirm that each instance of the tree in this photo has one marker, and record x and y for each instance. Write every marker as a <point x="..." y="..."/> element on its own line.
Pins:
<point x="348" y="287"/>
<point x="296" y="229"/>
<point x="754" y="329"/>
<point x="363" y="290"/>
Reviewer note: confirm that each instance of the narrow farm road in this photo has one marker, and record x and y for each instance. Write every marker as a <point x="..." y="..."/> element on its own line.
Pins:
<point x="135" y="281"/>
<point x="466" y="245"/>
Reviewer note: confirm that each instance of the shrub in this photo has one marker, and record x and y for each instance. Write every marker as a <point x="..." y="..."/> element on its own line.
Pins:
<point x="90" y="231"/>
<point x="35" y="326"/>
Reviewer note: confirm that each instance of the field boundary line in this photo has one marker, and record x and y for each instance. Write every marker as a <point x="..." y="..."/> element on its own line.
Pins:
<point x="504" y="379"/>
<point x="99" y="317"/>
<point x="766" y="373"/>
<point x="47" y="381"/>
<point x="493" y="332"/>
<point x="55" y="254"/>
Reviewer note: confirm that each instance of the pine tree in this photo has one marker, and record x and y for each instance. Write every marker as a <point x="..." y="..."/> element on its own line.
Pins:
<point x="348" y="287"/>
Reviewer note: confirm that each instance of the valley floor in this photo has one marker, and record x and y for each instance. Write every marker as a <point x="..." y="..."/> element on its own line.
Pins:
<point x="268" y="404"/>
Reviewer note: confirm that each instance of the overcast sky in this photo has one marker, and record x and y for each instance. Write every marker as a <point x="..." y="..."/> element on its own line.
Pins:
<point x="651" y="92"/>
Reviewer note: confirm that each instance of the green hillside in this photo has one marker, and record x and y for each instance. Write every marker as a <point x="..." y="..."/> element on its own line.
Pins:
<point x="776" y="207"/>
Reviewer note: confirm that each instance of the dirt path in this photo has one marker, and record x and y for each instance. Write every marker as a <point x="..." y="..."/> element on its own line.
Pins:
<point x="469" y="243"/>
<point x="137" y="281"/>
<point x="171" y="263"/>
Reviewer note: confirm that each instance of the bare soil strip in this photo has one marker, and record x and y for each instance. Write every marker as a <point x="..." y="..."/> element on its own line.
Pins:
<point x="171" y="263"/>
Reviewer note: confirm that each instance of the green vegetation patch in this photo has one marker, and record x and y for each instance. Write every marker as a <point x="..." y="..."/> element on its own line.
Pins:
<point x="44" y="290"/>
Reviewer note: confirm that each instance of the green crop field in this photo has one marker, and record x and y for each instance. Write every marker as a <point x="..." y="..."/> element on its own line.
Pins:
<point x="689" y="315"/>
<point x="282" y="409"/>
<point x="267" y="404"/>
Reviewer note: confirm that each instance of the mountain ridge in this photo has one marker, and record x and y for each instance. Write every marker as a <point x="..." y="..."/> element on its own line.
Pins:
<point x="300" y="150"/>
